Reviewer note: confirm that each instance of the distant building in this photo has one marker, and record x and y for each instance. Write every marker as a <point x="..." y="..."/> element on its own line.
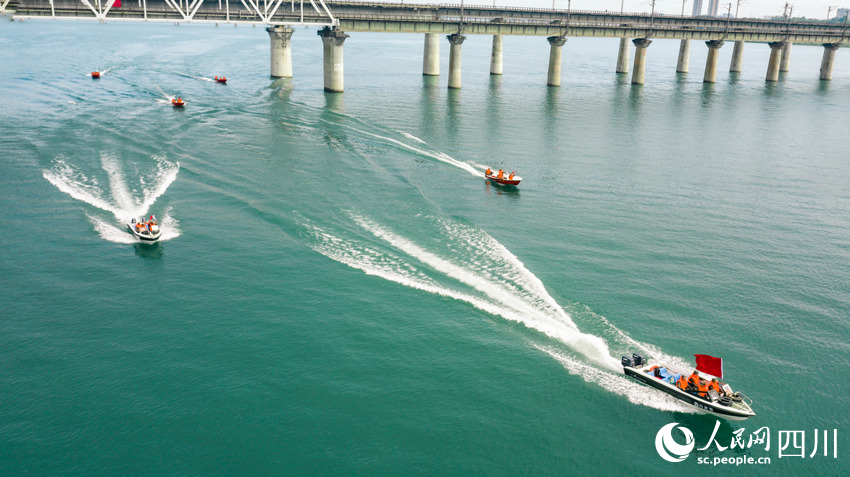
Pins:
<point x="842" y="12"/>
<point x="697" y="8"/>
<point x="713" y="6"/>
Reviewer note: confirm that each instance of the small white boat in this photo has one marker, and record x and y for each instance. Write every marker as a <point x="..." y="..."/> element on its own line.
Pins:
<point x="147" y="230"/>
<point x="727" y="404"/>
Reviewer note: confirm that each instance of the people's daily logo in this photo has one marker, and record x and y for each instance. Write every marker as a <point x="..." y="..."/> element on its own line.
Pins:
<point x="791" y="444"/>
<point x="668" y="448"/>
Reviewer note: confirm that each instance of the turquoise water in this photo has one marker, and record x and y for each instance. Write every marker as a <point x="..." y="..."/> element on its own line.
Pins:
<point x="338" y="291"/>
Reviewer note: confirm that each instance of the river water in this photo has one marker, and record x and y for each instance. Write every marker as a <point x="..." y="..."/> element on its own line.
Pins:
<point x="338" y="291"/>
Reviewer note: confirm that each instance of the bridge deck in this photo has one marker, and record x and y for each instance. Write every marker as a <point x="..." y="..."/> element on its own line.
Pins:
<point x="476" y="20"/>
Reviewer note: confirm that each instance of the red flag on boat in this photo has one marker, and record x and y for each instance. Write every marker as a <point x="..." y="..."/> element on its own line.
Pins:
<point x="117" y="4"/>
<point x="709" y="365"/>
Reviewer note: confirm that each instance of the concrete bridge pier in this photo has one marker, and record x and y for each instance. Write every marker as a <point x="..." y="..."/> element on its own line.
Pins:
<point x="773" y="62"/>
<point x="332" y="40"/>
<point x="556" y="44"/>
<point x="623" y="57"/>
<point x="737" y="57"/>
<point x="641" y="44"/>
<point x="684" y="62"/>
<point x="496" y="56"/>
<point x="431" y="57"/>
<point x="281" y="51"/>
<point x="829" y="50"/>
<point x="785" y="64"/>
<point x="455" y="40"/>
<point x="711" y="61"/>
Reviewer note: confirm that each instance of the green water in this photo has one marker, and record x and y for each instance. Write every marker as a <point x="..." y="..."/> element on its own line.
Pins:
<point x="339" y="292"/>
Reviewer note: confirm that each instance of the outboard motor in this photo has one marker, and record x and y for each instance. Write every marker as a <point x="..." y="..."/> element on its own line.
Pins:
<point x="627" y="362"/>
<point x="638" y="360"/>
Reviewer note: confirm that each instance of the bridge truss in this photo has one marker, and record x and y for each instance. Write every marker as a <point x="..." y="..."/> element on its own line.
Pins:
<point x="270" y="12"/>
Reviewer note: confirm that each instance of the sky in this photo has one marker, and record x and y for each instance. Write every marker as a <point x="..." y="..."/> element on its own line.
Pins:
<point x="815" y="9"/>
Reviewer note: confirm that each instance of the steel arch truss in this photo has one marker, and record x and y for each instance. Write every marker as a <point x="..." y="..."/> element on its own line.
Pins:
<point x="188" y="11"/>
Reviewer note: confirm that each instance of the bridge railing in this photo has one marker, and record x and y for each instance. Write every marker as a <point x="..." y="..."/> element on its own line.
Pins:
<point x="261" y="11"/>
<point x="327" y="12"/>
<point x="578" y="22"/>
<point x="559" y="11"/>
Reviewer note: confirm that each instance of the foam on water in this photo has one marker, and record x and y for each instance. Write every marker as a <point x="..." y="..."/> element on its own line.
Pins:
<point x="77" y="185"/>
<point x="495" y="281"/>
<point x="109" y="231"/>
<point x="166" y="97"/>
<point x="187" y="75"/>
<point x="120" y="199"/>
<point x="618" y="383"/>
<point x="442" y="157"/>
<point x="411" y="136"/>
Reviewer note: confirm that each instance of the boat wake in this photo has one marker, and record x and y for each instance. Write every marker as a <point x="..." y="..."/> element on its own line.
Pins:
<point x="187" y="75"/>
<point x="473" y="267"/>
<point x="618" y="384"/>
<point x="110" y="191"/>
<point x="108" y="230"/>
<point x="470" y="167"/>
<point x="411" y="136"/>
<point x="102" y="73"/>
<point x="166" y="98"/>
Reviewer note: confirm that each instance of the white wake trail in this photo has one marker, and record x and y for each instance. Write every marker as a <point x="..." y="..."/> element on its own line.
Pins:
<point x="118" y="185"/>
<point x="618" y="383"/>
<point x="119" y="199"/>
<point x="77" y="185"/>
<point x="515" y="301"/>
<point x="377" y="263"/>
<point x="435" y="155"/>
<point x="550" y="319"/>
<point x="165" y="175"/>
<point x="411" y="136"/>
<point x="518" y="296"/>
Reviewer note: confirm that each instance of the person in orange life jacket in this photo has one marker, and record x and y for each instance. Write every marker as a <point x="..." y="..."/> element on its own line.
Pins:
<point x="682" y="383"/>
<point x="703" y="388"/>
<point x="488" y="172"/>
<point x="697" y="385"/>
<point x="501" y="174"/>
<point x="716" y="386"/>
<point x="693" y="382"/>
<point x="511" y="177"/>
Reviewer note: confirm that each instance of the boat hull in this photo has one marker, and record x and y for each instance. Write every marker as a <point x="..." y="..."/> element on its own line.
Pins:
<point x="508" y="182"/>
<point x="702" y="405"/>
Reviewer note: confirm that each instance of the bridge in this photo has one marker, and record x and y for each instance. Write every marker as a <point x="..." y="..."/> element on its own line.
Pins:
<point x="456" y="21"/>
